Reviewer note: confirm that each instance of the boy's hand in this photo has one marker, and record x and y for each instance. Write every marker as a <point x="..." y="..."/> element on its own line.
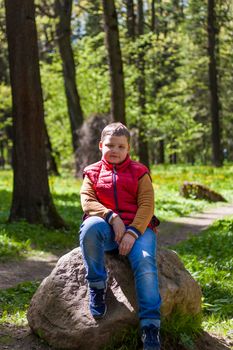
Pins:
<point x="126" y="244"/>
<point x="119" y="229"/>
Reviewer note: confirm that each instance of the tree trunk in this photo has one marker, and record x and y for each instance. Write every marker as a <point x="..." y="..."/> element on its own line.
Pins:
<point x="63" y="10"/>
<point x="2" y="158"/>
<point x="31" y="196"/>
<point x="191" y="158"/>
<point x="213" y="85"/>
<point x="130" y="19"/>
<point x="115" y="61"/>
<point x="51" y="162"/>
<point x="142" y="142"/>
<point x="131" y="33"/>
<point x="161" y="158"/>
<point x="173" y="158"/>
<point x="154" y="18"/>
<point x="155" y="29"/>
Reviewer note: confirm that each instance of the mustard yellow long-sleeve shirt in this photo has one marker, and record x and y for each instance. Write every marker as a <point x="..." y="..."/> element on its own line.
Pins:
<point x="145" y="200"/>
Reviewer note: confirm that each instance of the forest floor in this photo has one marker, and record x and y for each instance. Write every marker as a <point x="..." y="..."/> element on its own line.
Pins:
<point x="38" y="267"/>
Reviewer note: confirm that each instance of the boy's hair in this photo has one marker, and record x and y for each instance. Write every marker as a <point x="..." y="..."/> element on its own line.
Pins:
<point x="115" y="129"/>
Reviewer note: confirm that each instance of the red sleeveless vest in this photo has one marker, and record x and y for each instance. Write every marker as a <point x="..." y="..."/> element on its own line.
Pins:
<point x="116" y="185"/>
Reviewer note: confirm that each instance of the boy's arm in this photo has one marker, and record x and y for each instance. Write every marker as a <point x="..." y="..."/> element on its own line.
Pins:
<point x="92" y="207"/>
<point x="145" y="210"/>
<point x="90" y="204"/>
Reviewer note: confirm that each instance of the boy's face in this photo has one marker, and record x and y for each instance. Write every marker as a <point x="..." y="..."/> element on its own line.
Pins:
<point x="114" y="148"/>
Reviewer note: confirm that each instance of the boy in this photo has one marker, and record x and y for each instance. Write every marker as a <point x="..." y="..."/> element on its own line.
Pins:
<point x="117" y="198"/>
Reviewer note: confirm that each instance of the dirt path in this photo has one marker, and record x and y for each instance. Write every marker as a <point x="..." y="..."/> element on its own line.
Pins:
<point x="30" y="269"/>
<point x="37" y="268"/>
<point x="179" y="229"/>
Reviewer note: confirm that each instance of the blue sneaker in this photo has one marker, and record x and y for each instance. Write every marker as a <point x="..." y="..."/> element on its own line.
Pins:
<point x="150" y="337"/>
<point x="97" y="304"/>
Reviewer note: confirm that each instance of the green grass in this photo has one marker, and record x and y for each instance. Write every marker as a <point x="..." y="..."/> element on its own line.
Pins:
<point x="209" y="259"/>
<point x="10" y="248"/>
<point x="127" y="340"/>
<point x="167" y="181"/>
<point x="15" y="301"/>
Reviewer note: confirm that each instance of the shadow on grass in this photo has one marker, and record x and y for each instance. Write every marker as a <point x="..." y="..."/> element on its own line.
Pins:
<point x="204" y="341"/>
<point x="41" y="238"/>
<point x="13" y="272"/>
<point x="5" y="203"/>
<point x="207" y="341"/>
<point x="15" y="337"/>
<point x="171" y="233"/>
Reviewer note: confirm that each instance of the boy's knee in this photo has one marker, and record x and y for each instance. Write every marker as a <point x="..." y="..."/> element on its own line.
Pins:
<point x="144" y="263"/>
<point x="92" y="227"/>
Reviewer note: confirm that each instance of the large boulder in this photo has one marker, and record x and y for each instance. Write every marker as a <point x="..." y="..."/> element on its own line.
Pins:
<point x="198" y="191"/>
<point x="89" y="137"/>
<point x="59" y="311"/>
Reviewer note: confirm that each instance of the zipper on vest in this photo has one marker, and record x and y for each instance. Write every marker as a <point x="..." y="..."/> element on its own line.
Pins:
<point x="115" y="187"/>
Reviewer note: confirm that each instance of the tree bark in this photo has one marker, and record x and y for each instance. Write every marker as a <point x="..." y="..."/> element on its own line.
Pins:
<point x="154" y="18"/>
<point x="31" y="196"/>
<point x="63" y="9"/>
<point x="161" y="157"/>
<point x="115" y="61"/>
<point x="130" y="19"/>
<point x="173" y="158"/>
<point x="142" y="142"/>
<point x="51" y="162"/>
<point x="156" y="14"/>
<point x="155" y="29"/>
<point x="213" y="85"/>
<point x="2" y="158"/>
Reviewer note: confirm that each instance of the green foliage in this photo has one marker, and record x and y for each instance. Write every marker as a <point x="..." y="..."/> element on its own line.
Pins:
<point x="4" y="71"/>
<point x="5" y="93"/>
<point x="10" y="248"/>
<point x="209" y="259"/>
<point x="15" y="301"/>
<point x="5" y="194"/>
<point x="5" y="115"/>
<point x="93" y="75"/>
<point x="176" y="75"/>
<point x="93" y="25"/>
<point x="93" y="88"/>
<point x="56" y="115"/>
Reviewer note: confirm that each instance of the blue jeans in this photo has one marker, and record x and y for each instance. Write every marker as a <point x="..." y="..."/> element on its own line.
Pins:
<point x="96" y="237"/>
